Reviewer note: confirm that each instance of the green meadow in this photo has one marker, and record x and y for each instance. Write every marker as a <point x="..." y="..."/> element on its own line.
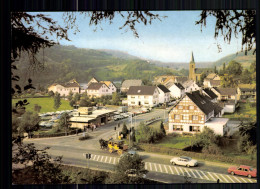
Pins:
<point x="46" y="104"/>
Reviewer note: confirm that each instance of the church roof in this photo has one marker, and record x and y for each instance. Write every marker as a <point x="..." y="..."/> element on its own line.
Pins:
<point x="192" y="57"/>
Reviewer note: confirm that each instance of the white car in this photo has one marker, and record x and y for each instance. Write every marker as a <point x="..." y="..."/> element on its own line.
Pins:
<point x="185" y="161"/>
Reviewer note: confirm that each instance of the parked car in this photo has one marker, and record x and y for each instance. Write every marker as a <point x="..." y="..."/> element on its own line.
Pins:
<point x="132" y="173"/>
<point x="185" y="161"/>
<point x="242" y="170"/>
<point x="131" y="152"/>
<point x="117" y="117"/>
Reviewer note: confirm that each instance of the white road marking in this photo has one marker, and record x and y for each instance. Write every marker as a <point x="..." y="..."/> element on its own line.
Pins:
<point x="110" y="159"/>
<point x="102" y="158"/>
<point x="155" y="167"/>
<point x="98" y="158"/>
<point x="230" y="178"/>
<point x="236" y="179"/>
<point x="211" y="176"/>
<point x="204" y="174"/>
<point x="199" y="174"/>
<point x="160" y="167"/>
<point x="166" y="169"/>
<point x="150" y="166"/>
<point x="194" y="174"/>
<point x="177" y="170"/>
<point x="171" y="169"/>
<point x="94" y="157"/>
<point x="218" y="177"/>
<point x="243" y="179"/>
<point x="181" y="170"/>
<point x="224" y="178"/>
<point x="250" y="180"/>
<point x="187" y="171"/>
<point x="114" y="161"/>
<point x="106" y="159"/>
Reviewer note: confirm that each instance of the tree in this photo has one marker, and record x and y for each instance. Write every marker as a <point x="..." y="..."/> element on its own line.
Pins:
<point x="233" y="22"/>
<point x="57" y="101"/>
<point x="234" y="68"/>
<point x="63" y="122"/>
<point x="70" y="96"/>
<point x="76" y="97"/>
<point x="249" y="129"/>
<point x="147" y="82"/>
<point x="205" y="138"/>
<point x="162" y="130"/>
<point x="215" y="70"/>
<point x="202" y="77"/>
<point x="246" y="77"/>
<point x="51" y="93"/>
<point x="37" y="108"/>
<point x="72" y="103"/>
<point x="128" y="162"/>
<point x="133" y="135"/>
<point x="84" y="103"/>
<point x="115" y="98"/>
<point x="124" y="130"/>
<point x="227" y="81"/>
<point x="29" y="122"/>
<point x="42" y="170"/>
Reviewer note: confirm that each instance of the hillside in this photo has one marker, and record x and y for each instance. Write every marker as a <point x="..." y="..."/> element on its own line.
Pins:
<point x="240" y="57"/>
<point x="63" y="63"/>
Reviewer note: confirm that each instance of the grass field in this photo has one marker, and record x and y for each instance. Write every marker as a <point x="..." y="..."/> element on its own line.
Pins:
<point x="245" y="110"/>
<point x="46" y="104"/>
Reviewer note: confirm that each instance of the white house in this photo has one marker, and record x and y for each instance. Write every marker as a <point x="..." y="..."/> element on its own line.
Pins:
<point x="93" y="80"/>
<point x="110" y="85"/>
<point x="98" y="90"/>
<point x="147" y="96"/>
<point x="190" y="85"/>
<point x="193" y="112"/>
<point x="66" y="88"/>
<point x="176" y="90"/>
<point x="164" y="94"/>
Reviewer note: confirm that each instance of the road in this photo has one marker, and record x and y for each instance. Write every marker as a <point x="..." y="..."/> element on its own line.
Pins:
<point x="159" y="168"/>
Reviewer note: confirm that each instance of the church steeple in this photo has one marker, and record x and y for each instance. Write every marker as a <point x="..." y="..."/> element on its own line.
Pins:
<point x="192" y="57"/>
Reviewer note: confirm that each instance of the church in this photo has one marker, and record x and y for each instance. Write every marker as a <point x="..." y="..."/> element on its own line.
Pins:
<point x="195" y="73"/>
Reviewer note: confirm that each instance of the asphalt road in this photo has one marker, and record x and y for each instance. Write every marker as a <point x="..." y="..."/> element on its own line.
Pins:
<point x="72" y="151"/>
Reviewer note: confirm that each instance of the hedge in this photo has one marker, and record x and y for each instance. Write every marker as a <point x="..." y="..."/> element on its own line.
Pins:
<point x="209" y="157"/>
<point x="43" y="135"/>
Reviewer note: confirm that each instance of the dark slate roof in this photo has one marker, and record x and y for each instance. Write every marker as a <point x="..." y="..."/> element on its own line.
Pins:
<point x="129" y="83"/>
<point x="71" y="85"/>
<point x="164" y="89"/>
<point x="179" y="86"/>
<point x="226" y="91"/>
<point x="141" y="90"/>
<point x="181" y="79"/>
<point x="204" y="104"/>
<point x="95" y="86"/>
<point x="210" y="93"/>
<point x="217" y="109"/>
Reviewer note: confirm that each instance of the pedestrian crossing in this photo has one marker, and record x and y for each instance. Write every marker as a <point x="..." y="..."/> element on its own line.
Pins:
<point x="181" y="171"/>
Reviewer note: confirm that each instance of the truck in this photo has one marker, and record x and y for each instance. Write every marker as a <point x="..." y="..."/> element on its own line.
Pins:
<point x="122" y="109"/>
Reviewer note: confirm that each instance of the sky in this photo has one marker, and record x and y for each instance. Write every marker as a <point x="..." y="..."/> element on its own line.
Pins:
<point x="170" y="40"/>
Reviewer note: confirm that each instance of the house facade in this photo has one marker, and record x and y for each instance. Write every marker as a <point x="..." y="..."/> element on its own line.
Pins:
<point x="98" y="90"/>
<point x="193" y="113"/>
<point x="225" y="94"/>
<point x="93" y="80"/>
<point x="212" y="80"/>
<point x="176" y="90"/>
<point x="66" y="88"/>
<point x="190" y="85"/>
<point x="110" y="85"/>
<point x="147" y="96"/>
<point x="245" y="93"/>
<point x="164" y="94"/>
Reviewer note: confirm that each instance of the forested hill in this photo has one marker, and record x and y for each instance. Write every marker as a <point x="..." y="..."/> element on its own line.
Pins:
<point x="63" y="63"/>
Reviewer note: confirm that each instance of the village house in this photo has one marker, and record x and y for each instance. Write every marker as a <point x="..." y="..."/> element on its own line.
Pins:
<point x="176" y="90"/>
<point x="164" y="94"/>
<point x="180" y="79"/>
<point x="190" y="85"/>
<point x="93" y="80"/>
<point x="147" y="96"/>
<point x="163" y="79"/>
<point x="245" y="91"/>
<point x="227" y="98"/>
<point x="128" y="83"/>
<point x="110" y="85"/>
<point x="64" y="89"/>
<point x="98" y="90"/>
<point x="213" y="97"/>
<point x="211" y="77"/>
<point x="193" y="112"/>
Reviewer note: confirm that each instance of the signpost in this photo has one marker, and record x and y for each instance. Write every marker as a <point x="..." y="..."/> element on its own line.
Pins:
<point x="87" y="156"/>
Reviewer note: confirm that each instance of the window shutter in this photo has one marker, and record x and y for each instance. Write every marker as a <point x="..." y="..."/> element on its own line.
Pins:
<point x="190" y="117"/>
<point x="172" y="116"/>
<point x="199" y="118"/>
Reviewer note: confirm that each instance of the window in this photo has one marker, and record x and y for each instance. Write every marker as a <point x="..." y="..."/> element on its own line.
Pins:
<point x="191" y="108"/>
<point x="195" y="117"/>
<point x="185" y="117"/>
<point x="176" y="116"/>
<point x="180" y="107"/>
<point x="194" y="128"/>
<point x="177" y="127"/>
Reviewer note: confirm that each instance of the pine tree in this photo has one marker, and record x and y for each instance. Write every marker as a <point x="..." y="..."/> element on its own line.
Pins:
<point x="162" y="130"/>
<point x="57" y="101"/>
<point x="124" y="130"/>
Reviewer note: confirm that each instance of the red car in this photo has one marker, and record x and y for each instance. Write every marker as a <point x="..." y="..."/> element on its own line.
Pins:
<point x="242" y="170"/>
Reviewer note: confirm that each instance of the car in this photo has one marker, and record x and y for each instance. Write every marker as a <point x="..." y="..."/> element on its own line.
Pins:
<point x="243" y="170"/>
<point x="185" y="161"/>
<point x="131" y="152"/>
<point x="132" y="173"/>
